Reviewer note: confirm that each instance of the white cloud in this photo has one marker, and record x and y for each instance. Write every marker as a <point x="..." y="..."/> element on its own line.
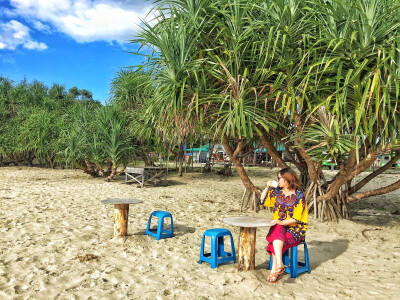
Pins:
<point x="35" y="45"/>
<point x="14" y="33"/>
<point x="87" y="20"/>
<point x="41" y="27"/>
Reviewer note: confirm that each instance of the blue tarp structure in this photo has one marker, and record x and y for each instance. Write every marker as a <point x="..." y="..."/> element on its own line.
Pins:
<point x="206" y="147"/>
<point x="198" y="149"/>
<point x="278" y="146"/>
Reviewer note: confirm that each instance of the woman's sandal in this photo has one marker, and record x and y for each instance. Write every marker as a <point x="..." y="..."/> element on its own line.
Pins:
<point x="280" y="271"/>
<point x="273" y="277"/>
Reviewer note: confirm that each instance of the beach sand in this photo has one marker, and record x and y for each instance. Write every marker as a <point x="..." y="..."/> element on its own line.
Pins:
<point x="49" y="217"/>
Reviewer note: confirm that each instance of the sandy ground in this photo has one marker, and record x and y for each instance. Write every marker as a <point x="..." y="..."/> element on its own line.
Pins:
<point x="48" y="217"/>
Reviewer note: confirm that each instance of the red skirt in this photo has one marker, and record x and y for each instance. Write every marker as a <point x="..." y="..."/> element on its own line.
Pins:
<point x="279" y="232"/>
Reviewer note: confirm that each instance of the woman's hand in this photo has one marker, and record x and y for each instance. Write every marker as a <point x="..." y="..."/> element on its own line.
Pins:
<point x="278" y="222"/>
<point x="269" y="184"/>
<point x="285" y="222"/>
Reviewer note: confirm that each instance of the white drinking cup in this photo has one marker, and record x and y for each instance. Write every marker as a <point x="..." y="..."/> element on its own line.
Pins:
<point x="274" y="184"/>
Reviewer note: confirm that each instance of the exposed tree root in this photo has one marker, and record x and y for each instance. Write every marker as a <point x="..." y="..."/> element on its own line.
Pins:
<point x="249" y="200"/>
<point x="330" y="210"/>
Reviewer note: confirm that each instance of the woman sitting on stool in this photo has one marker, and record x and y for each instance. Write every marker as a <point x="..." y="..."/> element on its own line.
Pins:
<point x="290" y="216"/>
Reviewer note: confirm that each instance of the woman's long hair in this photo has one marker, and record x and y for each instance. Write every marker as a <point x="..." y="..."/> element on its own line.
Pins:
<point x="290" y="176"/>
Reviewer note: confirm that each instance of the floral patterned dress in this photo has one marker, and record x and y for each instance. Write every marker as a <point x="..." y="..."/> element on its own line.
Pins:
<point x="285" y="207"/>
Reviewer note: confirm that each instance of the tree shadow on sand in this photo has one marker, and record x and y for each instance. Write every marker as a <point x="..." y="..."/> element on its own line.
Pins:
<point x="318" y="252"/>
<point x="163" y="183"/>
<point x="179" y="230"/>
<point x="167" y="182"/>
<point x="381" y="216"/>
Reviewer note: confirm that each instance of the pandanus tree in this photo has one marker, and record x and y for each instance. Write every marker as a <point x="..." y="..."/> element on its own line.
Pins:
<point x="131" y="89"/>
<point x="39" y="135"/>
<point x="322" y="78"/>
<point x="97" y="140"/>
<point x="355" y="105"/>
<point x="233" y="97"/>
<point x="338" y="95"/>
<point x="5" y="90"/>
<point x="79" y="118"/>
<point x="116" y="141"/>
<point x="173" y="66"/>
<point x="44" y="124"/>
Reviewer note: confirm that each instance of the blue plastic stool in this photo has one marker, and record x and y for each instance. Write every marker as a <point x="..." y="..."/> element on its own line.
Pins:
<point x="218" y="254"/>
<point x="160" y="233"/>
<point x="294" y="266"/>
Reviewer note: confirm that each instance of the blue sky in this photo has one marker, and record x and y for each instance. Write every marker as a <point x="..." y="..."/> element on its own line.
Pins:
<point x="80" y="43"/>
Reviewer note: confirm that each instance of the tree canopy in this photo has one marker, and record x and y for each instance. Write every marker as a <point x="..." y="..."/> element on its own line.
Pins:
<point x="320" y="77"/>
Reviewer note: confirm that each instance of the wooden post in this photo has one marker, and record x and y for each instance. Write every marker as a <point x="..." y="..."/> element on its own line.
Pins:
<point x="246" y="249"/>
<point x="121" y="212"/>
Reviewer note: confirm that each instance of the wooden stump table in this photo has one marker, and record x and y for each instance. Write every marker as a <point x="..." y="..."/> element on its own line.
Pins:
<point x="247" y="239"/>
<point x="121" y="213"/>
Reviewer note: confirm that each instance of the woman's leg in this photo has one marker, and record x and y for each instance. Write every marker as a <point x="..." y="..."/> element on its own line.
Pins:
<point x="278" y="245"/>
<point x="273" y="267"/>
<point x="273" y="275"/>
<point x="275" y="239"/>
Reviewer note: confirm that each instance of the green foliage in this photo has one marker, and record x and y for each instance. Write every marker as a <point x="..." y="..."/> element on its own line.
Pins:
<point x="116" y="142"/>
<point x="55" y="126"/>
<point x="321" y="76"/>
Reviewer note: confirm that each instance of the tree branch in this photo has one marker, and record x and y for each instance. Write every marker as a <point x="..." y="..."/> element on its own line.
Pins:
<point x="271" y="150"/>
<point x="381" y="191"/>
<point x="374" y="174"/>
<point x="366" y="162"/>
<point x="238" y="165"/>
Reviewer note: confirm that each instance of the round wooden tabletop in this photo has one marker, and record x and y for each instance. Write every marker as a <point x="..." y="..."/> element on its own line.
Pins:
<point x="249" y="222"/>
<point x="121" y="201"/>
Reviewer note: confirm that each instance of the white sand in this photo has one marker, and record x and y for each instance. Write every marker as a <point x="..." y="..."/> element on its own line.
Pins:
<point x="48" y="217"/>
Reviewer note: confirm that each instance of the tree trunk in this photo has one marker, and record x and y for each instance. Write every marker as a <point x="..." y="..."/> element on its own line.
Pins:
<point x="89" y="168"/>
<point x="28" y="161"/>
<point x="238" y="165"/>
<point x="16" y="160"/>
<point x="271" y="150"/>
<point x="348" y="172"/>
<point x="330" y="201"/>
<point x="108" y="169"/>
<point x="226" y="170"/>
<point x="52" y="161"/>
<point x="29" y="157"/>
<point x="145" y="157"/>
<point x="121" y="212"/>
<point x="207" y="166"/>
<point x="113" y="172"/>
<point x="180" y="159"/>
<point x="246" y="249"/>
